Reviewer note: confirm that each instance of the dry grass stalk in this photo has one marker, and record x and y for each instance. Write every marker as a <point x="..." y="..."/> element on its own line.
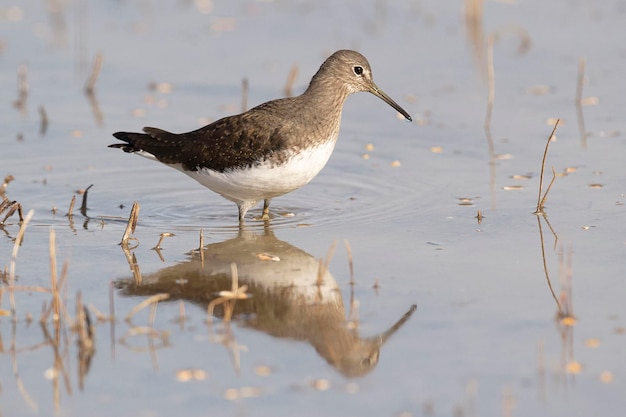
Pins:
<point x="479" y="217"/>
<point x="542" y="199"/>
<point x="161" y="238"/>
<point x="201" y="248"/>
<point x="53" y="276"/>
<point x="86" y="346"/>
<point x="22" y="88"/>
<point x="100" y="316"/>
<point x="16" y="246"/>
<point x="350" y="261"/>
<point x="508" y="401"/>
<point x="324" y="263"/>
<point x="94" y="74"/>
<point x="229" y="298"/>
<point x="291" y="80"/>
<point x="5" y="184"/>
<point x="83" y="205"/>
<point x="148" y="301"/>
<point x="181" y="314"/>
<point x="543" y="257"/>
<point x="112" y="316"/>
<point x="245" y="87"/>
<point x="70" y="211"/>
<point x="132" y="263"/>
<point x="10" y="207"/>
<point x="491" y="81"/>
<point x="578" y="102"/>
<point x="565" y="274"/>
<point x="132" y="223"/>
<point x="43" y="126"/>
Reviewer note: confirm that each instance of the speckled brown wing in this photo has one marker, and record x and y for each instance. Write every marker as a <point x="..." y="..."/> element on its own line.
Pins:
<point x="232" y="142"/>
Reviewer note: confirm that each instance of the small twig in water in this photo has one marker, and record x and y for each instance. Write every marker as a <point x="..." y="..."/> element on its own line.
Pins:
<point x="324" y="263"/>
<point x="579" y="101"/>
<point x="5" y="183"/>
<point x="148" y="301"/>
<point x="540" y="200"/>
<point x="132" y="223"/>
<point x="43" y="126"/>
<point x="201" y="249"/>
<point x="491" y="80"/>
<point x="350" y="261"/>
<point x="83" y="206"/>
<point x="93" y="76"/>
<point x="22" y="88"/>
<point x="229" y="298"/>
<point x="16" y="246"/>
<point x="161" y="238"/>
<point x="70" y="211"/>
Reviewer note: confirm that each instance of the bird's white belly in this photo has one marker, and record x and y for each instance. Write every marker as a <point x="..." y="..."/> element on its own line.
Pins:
<point x="266" y="180"/>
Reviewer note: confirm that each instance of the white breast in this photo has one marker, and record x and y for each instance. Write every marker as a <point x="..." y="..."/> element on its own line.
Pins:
<point x="265" y="180"/>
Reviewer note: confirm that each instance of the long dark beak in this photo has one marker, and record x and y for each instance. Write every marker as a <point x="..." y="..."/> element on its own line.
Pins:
<point x="381" y="94"/>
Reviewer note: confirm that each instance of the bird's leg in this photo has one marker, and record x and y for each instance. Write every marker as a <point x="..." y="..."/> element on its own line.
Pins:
<point x="243" y="207"/>
<point x="266" y="209"/>
<point x="242" y="214"/>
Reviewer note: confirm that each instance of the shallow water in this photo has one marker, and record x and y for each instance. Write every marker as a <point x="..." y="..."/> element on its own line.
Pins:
<point x="485" y="339"/>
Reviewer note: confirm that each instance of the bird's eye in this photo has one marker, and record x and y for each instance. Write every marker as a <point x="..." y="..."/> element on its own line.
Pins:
<point x="358" y="70"/>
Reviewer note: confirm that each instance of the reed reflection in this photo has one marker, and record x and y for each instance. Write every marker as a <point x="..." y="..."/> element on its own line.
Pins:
<point x="292" y="296"/>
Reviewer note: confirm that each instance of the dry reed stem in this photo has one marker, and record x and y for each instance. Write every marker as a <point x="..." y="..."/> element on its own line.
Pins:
<point x="578" y="101"/>
<point x="291" y="80"/>
<point x="161" y="238"/>
<point x="112" y="316"/>
<point x="508" y="401"/>
<point x="154" y="299"/>
<point x="16" y="246"/>
<point x="100" y="316"/>
<point x="83" y="205"/>
<point x="22" y="88"/>
<point x="70" y="211"/>
<point x="181" y="314"/>
<point x="53" y="275"/>
<point x="12" y="207"/>
<point x="152" y="316"/>
<point x="20" y="385"/>
<point x="25" y="395"/>
<point x="5" y="184"/>
<point x="93" y="75"/>
<point x="565" y="275"/>
<point x="26" y="288"/>
<point x="43" y="125"/>
<point x="95" y="109"/>
<point x="132" y="263"/>
<point x="545" y="195"/>
<point x="201" y="249"/>
<point x="541" y="200"/>
<point x="491" y="81"/>
<point x="545" y="263"/>
<point x="245" y="87"/>
<point x="132" y="223"/>
<point x="479" y="217"/>
<point x="228" y="298"/>
<point x="86" y="345"/>
<point x="325" y="262"/>
<point x="350" y="261"/>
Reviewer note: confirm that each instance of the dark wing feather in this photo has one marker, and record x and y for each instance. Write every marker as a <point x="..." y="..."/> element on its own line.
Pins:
<point x="231" y="142"/>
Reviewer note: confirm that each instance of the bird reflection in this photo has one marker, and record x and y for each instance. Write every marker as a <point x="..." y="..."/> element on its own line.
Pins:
<point x="293" y="296"/>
